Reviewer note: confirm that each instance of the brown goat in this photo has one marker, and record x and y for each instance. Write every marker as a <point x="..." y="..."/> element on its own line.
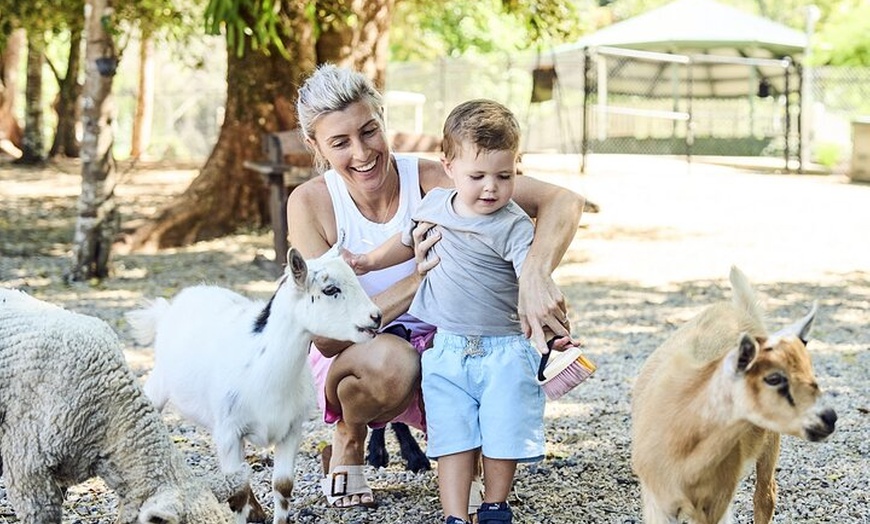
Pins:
<point x="713" y="399"/>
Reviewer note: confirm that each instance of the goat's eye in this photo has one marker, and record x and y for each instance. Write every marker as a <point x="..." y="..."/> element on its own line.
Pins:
<point x="331" y="290"/>
<point x="775" y="379"/>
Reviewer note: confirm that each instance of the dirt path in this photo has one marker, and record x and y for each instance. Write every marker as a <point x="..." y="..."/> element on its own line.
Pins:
<point x="659" y="251"/>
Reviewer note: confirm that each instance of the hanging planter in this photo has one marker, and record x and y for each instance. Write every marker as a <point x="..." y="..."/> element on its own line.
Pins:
<point x="107" y="65"/>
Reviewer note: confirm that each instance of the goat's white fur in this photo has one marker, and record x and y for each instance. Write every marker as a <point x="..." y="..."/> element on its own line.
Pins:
<point x="71" y="409"/>
<point x="242" y="383"/>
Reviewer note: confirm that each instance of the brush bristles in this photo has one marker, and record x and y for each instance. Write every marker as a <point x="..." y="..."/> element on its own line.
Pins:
<point x="569" y="378"/>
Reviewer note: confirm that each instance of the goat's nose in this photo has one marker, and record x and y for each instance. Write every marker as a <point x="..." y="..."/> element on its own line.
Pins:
<point x="376" y="319"/>
<point x="829" y="417"/>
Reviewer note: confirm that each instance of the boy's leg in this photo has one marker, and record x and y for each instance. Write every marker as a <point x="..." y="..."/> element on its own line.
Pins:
<point x="454" y="481"/>
<point x="499" y="475"/>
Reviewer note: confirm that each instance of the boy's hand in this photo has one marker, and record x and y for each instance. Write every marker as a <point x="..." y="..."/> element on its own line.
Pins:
<point x="359" y="263"/>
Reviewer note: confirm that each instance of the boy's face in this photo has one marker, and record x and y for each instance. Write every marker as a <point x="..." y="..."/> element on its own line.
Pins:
<point x="484" y="180"/>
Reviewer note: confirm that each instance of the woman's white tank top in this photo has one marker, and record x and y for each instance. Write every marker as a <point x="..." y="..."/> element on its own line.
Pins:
<point x="361" y="235"/>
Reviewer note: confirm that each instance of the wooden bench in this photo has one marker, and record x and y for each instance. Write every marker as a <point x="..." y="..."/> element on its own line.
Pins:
<point x="286" y="164"/>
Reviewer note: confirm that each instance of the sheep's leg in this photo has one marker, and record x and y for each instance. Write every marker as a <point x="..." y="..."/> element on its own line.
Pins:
<point x="35" y="495"/>
<point x="231" y="455"/>
<point x="765" y="482"/>
<point x="284" y="474"/>
<point x="377" y="454"/>
<point x="415" y="459"/>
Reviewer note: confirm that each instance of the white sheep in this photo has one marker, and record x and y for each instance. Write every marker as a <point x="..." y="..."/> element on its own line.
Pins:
<point x="239" y="367"/>
<point x="71" y="409"/>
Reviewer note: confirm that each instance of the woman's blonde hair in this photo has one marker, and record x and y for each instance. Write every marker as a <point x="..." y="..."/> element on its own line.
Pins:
<point x="331" y="88"/>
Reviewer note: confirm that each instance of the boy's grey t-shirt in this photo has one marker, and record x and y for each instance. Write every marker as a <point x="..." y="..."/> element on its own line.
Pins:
<point x="473" y="289"/>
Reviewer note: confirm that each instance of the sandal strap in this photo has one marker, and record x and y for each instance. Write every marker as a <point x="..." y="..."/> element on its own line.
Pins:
<point x="345" y="481"/>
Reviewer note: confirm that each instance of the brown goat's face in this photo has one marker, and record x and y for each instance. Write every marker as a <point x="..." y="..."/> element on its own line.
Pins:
<point x="779" y="391"/>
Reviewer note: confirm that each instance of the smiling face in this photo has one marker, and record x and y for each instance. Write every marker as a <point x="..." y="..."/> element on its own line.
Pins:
<point x="354" y="143"/>
<point x="484" y="180"/>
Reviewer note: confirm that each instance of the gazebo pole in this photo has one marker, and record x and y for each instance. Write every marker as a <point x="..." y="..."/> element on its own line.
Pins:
<point x="690" y="124"/>
<point x="787" y="112"/>
<point x="584" y="142"/>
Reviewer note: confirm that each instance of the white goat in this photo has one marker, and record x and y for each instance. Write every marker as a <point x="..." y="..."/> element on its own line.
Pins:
<point x="70" y="409"/>
<point x="239" y="367"/>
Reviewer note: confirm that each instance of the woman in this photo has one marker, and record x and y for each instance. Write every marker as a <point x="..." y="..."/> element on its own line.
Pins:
<point x="366" y="196"/>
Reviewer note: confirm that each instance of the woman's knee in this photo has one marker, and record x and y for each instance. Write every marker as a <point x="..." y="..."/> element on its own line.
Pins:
<point x="379" y="376"/>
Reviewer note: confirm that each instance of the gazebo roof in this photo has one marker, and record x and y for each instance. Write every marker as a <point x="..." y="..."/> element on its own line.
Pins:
<point x="730" y="51"/>
<point x="699" y="26"/>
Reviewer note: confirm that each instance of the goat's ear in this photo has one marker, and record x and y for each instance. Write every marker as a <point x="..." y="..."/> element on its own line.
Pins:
<point x="164" y="507"/>
<point x="746" y="352"/>
<point x="336" y="249"/>
<point x="801" y="328"/>
<point x="297" y="267"/>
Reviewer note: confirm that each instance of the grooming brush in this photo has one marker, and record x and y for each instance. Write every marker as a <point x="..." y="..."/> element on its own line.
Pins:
<point x="561" y="371"/>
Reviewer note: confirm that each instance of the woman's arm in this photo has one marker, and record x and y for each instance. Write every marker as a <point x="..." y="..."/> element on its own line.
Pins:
<point x="557" y="212"/>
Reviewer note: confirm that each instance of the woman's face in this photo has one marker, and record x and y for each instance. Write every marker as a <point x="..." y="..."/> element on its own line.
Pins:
<point x="355" y="145"/>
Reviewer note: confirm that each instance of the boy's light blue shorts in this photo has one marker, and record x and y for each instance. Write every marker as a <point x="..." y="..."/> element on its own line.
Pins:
<point x="482" y="392"/>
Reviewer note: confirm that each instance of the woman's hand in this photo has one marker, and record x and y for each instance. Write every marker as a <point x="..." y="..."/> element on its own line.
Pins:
<point x="542" y="310"/>
<point x="424" y="239"/>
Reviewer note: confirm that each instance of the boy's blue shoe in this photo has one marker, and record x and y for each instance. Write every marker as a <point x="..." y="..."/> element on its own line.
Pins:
<point x="455" y="520"/>
<point x="494" y="513"/>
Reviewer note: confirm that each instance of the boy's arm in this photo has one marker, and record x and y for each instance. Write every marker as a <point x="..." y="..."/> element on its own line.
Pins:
<point x="390" y="253"/>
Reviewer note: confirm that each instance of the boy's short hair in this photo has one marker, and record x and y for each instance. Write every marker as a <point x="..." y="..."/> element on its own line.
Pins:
<point x="485" y="124"/>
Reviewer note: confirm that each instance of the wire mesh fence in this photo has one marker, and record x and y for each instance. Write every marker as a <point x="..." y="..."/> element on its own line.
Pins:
<point x="646" y="106"/>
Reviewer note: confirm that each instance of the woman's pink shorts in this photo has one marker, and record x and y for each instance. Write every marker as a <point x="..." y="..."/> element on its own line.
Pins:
<point x="412" y="416"/>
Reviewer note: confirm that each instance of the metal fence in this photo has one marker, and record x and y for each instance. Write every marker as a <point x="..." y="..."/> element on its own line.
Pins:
<point x="547" y="96"/>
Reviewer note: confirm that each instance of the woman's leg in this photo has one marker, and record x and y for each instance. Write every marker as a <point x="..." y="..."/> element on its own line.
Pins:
<point x="370" y="382"/>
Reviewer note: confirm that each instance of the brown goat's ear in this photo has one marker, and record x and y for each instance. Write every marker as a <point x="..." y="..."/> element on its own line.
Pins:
<point x="801" y="328"/>
<point x="746" y="352"/>
<point x="297" y="267"/>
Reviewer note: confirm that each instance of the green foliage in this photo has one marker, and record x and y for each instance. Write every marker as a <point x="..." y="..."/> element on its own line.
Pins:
<point x="425" y="30"/>
<point x="828" y="154"/>
<point x="254" y="21"/>
<point x="845" y="38"/>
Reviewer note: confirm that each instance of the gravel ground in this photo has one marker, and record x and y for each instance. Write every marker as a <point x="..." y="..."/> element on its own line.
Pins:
<point x="657" y="253"/>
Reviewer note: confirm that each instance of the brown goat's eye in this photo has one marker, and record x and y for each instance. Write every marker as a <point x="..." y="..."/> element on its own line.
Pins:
<point x="331" y="290"/>
<point x="775" y="379"/>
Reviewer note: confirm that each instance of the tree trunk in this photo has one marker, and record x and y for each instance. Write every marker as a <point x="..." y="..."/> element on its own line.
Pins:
<point x="144" y="116"/>
<point x="98" y="216"/>
<point x="33" y="145"/>
<point x="363" y="45"/>
<point x="10" y="132"/>
<point x="66" y="142"/>
<point x="261" y="89"/>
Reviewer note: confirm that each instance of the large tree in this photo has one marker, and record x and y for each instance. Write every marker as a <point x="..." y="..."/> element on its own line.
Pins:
<point x="269" y="53"/>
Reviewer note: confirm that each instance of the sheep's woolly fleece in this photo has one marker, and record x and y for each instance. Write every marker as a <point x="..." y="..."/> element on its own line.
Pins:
<point x="70" y="409"/>
<point x="657" y="253"/>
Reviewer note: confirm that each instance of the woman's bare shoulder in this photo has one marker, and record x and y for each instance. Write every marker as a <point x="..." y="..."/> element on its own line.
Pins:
<point x="432" y="175"/>
<point x="309" y="210"/>
<point x="311" y="193"/>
